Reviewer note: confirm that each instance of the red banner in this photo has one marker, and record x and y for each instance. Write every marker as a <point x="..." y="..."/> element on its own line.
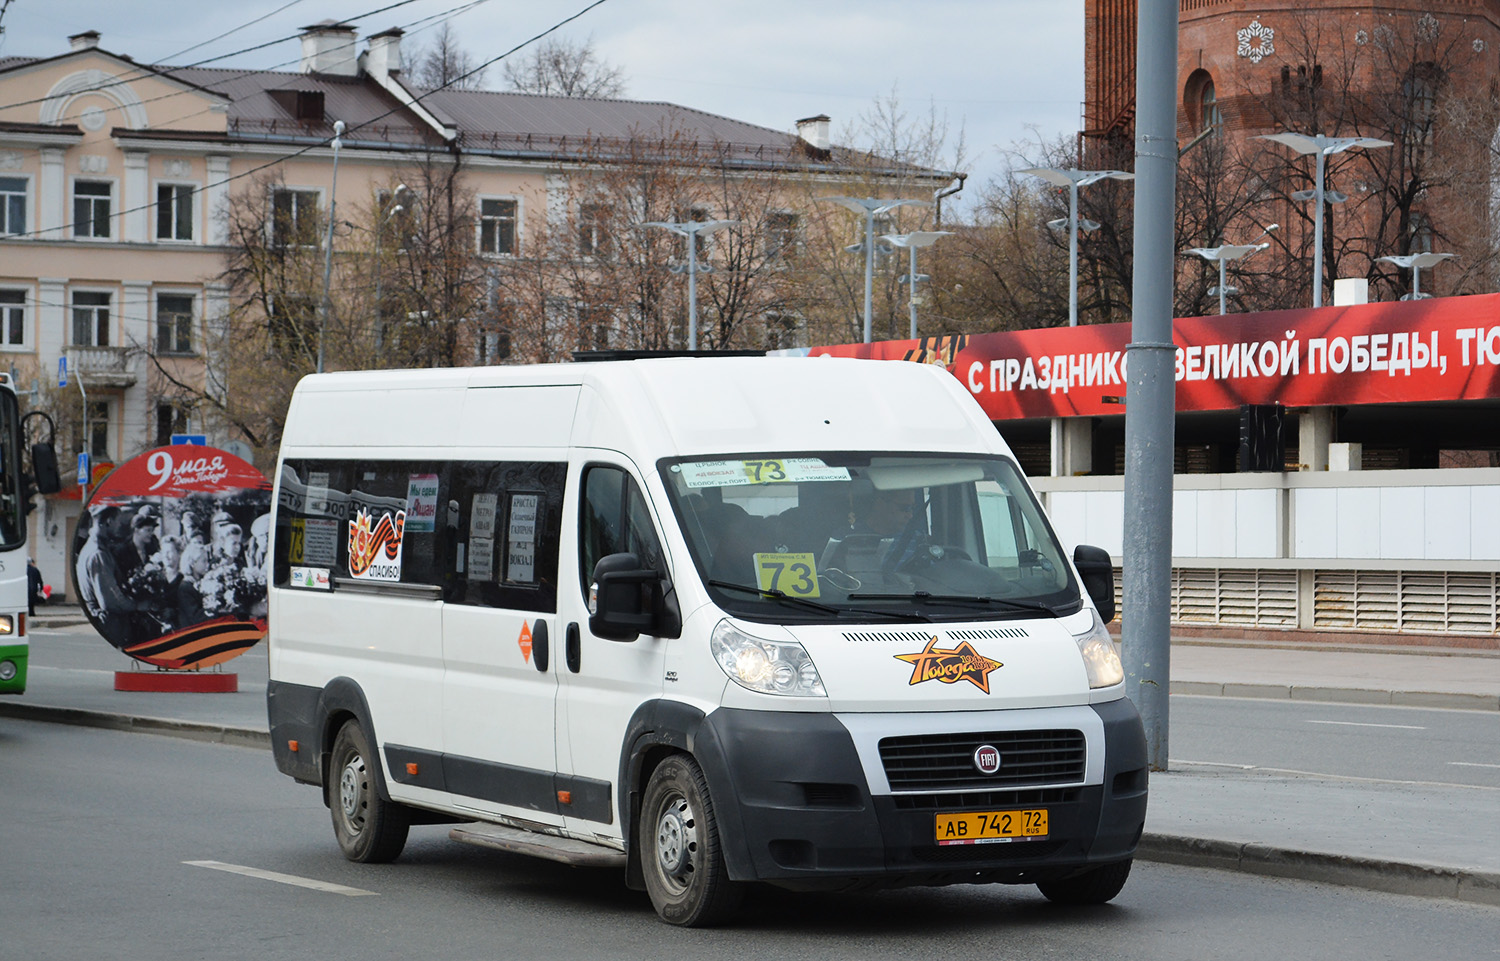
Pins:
<point x="1428" y="350"/>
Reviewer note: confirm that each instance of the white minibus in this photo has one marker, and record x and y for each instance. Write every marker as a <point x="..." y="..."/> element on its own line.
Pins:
<point x="705" y="621"/>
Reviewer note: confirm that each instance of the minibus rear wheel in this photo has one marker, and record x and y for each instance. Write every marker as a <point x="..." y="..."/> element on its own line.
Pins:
<point x="681" y="858"/>
<point x="369" y="829"/>
<point x="1097" y="886"/>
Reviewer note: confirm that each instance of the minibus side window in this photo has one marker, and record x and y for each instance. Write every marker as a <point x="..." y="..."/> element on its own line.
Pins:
<point x="614" y="520"/>
<point x="506" y="523"/>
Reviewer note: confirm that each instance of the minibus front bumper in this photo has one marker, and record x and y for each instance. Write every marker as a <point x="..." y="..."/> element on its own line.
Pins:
<point x="795" y="809"/>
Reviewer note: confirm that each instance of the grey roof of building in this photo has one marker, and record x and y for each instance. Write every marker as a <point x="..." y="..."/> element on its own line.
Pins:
<point x="501" y="124"/>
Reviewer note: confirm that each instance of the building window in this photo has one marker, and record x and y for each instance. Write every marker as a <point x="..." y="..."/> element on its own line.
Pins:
<point x="90" y="319"/>
<point x="497" y="226"/>
<point x="1201" y="101"/>
<point x="781" y="233"/>
<point x="593" y="230"/>
<point x="492" y="346"/>
<point x="12" y="205"/>
<point x="170" y="419"/>
<point x="1421" y="233"/>
<point x="12" y="318"/>
<point x="291" y="325"/>
<point x="174" y="212"/>
<point x="174" y="323"/>
<point x="294" y="217"/>
<point x="91" y="202"/>
<point x="1208" y="107"/>
<point x="594" y="328"/>
<point x="781" y="331"/>
<point x="96" y="429"/>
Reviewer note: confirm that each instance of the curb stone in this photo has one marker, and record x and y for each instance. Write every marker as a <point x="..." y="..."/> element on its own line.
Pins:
<point x="1341" y="695"/>
<point x="188" y="730"/>
<point x="1394" y="877"/>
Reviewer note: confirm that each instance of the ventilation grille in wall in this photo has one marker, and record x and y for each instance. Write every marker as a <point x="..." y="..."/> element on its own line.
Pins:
<point x="1244" y="598"/>
<point x="1411" y="602"/>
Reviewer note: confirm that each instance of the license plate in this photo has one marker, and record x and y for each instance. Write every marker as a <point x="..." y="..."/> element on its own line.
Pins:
<point x="991" y="827"/>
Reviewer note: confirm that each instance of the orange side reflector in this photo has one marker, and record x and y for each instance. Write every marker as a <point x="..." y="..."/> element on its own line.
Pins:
<point x="411" y="768"/>
<point x="292" y="746"/>
<point x="564" y="797"/>
<point x="21" y="623"/>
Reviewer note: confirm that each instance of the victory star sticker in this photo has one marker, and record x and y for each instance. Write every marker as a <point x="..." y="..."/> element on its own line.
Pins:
<point x="962" y="663"/>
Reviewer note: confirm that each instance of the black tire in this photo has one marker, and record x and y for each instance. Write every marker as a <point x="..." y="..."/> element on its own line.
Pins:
<point x="681" y="858"/>
<point x="1096" y="886"/>
<point x="369" y="829"/>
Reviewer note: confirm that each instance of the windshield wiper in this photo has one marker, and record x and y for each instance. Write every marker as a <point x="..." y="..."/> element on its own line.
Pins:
<point x="924" y="597"/>
<point x="779" y="595"/>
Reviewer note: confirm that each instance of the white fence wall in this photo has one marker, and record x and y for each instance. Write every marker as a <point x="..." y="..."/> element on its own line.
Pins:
<point x="1395" y="551"/>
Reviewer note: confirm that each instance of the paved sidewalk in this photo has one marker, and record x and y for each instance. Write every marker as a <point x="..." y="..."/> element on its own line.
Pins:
<point x="1438" y="840"/>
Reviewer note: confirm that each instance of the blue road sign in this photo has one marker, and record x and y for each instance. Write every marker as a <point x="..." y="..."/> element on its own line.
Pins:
<point x="83" y="468"/>
<point x="201" y="440"/>
<point x="62" y="371"/>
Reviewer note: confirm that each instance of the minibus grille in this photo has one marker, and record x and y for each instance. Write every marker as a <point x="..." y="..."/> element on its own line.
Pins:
<point x="945" y="762"/>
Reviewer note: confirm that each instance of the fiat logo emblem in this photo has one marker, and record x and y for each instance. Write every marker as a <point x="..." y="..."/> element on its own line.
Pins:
<point x="987" y="759"/>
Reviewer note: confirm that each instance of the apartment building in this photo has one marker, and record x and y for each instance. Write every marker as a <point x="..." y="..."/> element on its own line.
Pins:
<point x="115" y="178"/>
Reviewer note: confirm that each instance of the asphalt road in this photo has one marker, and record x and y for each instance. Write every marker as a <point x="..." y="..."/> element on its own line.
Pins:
<point x="106" y="835"/>
<point x="1344" y="740"/>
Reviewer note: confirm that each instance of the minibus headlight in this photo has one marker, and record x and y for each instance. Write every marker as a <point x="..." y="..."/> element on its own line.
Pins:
<point x="7" y="624"/>
<point x="1099" y="657"/>
<point x="766" y="667"/>
<point x="7" y="670"/>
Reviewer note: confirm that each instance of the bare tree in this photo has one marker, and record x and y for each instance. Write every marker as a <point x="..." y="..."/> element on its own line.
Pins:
<point x="561" y="68"/>
<point x="445" y="64"/>
<point x="407" y="290"/>
<point x="594" y="277"/>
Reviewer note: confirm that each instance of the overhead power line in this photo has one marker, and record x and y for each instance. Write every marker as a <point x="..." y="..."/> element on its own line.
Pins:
<point x="351" y="130"/>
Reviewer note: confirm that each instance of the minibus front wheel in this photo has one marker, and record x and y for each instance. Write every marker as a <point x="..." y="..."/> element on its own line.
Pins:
<point x="369" y="829"/>
<point x="1095" y="886"/>
<point x="681" y="857"/>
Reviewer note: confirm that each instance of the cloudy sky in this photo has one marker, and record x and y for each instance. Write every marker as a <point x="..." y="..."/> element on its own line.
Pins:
<point x="1005" y="71"/>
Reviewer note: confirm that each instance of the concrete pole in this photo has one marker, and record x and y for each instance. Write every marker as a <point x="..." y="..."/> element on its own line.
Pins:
<point x="869" y="272"/>
<point x="1073" y="253"/>
<point x="691" y="236"/>
<point x="911" y="290"/>
<point x="324" y="305"/>
<point x="1318" y="237"/>
<point x="1150" y="390"/>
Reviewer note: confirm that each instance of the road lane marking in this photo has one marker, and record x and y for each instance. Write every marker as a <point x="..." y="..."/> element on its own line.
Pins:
<point x="1473" y="764"/>
<point x="1404" y="727"/>
<point x="292" y="879"/>
<point x="1293" y="772"/>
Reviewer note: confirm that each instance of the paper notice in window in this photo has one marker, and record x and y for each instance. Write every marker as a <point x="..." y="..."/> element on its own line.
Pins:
<point x="320" y="542"/>
<point x="520" y="558"/>
<point x="482" y="559"/>
<point x="482" y="515"/>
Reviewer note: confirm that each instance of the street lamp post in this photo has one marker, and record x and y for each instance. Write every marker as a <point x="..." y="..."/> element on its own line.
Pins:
<point x="1074" y="179"/>
<point x="1415" y="263"/>
<point x="690" y="231"/>
<point x="323" y="309"/>
<point x="1323" y="148"/>
<point x="1224" y="254"/>
<point x="911" y="241"/>
<point x="383" y="218"/>
<point x="870" y="208"/>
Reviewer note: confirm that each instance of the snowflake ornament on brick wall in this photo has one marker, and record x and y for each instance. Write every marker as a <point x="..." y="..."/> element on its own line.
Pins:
<point x="1256" y="41"/>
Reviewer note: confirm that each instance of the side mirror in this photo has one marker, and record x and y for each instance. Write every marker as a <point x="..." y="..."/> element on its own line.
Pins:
<point x="44" y="469"/>
<point x="627" y="600"/>
<point x="1098" y="574"/>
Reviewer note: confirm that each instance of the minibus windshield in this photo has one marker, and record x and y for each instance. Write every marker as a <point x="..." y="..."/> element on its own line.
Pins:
<point x="890" y="535"/>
